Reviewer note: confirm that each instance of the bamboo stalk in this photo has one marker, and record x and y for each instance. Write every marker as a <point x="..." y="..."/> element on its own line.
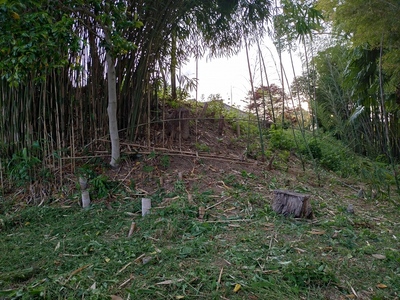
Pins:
<point x="58" y="129"/>
<point x="256" y="108"/>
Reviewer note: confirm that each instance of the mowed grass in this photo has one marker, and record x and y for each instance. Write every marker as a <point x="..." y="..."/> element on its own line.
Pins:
<point x="239" y="249"/>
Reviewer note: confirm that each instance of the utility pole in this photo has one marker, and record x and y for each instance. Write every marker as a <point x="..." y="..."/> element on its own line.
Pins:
<point x="231" y="97"/>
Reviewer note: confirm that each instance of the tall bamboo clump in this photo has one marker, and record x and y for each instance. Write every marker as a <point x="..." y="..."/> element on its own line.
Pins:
<point x="56" y="113"/>
<point x="60" y="109"/>
<point x="57" y="110"/>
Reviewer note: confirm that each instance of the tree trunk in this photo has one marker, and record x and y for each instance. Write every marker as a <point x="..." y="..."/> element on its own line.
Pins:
<point x="174" y="94"/>
<point x="112" y="109"/>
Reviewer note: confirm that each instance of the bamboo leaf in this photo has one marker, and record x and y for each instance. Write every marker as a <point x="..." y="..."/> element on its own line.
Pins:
<point x="358" y="111"/>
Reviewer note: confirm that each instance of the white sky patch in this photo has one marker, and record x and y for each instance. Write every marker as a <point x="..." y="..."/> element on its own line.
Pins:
<point x="230" y="78"/>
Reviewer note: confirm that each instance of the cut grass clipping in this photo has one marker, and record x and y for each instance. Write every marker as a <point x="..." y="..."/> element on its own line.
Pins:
<point x="239" y="249"/>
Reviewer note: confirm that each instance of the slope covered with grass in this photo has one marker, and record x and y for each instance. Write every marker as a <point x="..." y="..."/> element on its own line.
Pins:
<point x="211" y="235"/>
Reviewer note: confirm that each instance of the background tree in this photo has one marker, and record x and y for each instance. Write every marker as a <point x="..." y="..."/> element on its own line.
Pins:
<point x="277" y="95"/>
<point x="36" y="41"/>
<point x="372" y="70"/>
<point x="295" y="21"/>
<point x="333" y="100"/>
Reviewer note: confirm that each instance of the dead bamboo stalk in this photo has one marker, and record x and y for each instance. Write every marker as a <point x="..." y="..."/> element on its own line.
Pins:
<point x="219" y="278"/>
<point x="218" y="203"/>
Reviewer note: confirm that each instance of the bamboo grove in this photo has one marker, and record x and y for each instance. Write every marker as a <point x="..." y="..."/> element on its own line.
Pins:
<point x="54" y="83"/>
<point x="358" y="80"/>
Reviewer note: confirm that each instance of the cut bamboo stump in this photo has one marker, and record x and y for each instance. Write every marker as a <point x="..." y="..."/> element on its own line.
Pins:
<point x="85" y="199"/>
<point x="146" y="206"/>
<point x="293" y="204"/>
<point x="85" y="192"/>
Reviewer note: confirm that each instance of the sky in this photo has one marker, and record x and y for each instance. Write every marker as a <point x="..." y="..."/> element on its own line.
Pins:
<point x="230" y="78"/>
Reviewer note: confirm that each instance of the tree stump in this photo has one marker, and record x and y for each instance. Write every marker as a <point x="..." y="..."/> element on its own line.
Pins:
<point x="178" y="123"/>
<point x="292" y="204"/>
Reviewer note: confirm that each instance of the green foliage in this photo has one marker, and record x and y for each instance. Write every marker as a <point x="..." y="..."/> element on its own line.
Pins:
<point x="315" y="149"/>
<point x="299" y="20"/>
<point x="281" y="139"/>
<point x="284" y="155"/>
<point x="101" y="186"/>
<point x="215" y="106"/>
<point x="148" y="169"/>
<point x="360" y="17"/>
<point x="34" y="37"/>
<point x="152" y="155"/>
<point x="304" y="274"/>
<point x="234" y="113"/>
<point x="179" y="187"/>
<point x="249" y="128"/>
<point x="332" y="161"/>
<point x="165" y="161"/>
<point x="86" y="171"/>
<point x="246" y="121"/>
<point x="361" y="75"/>
<point x="248" y="175"/>
<point x="166" y="96"/>
<point x="202" y="147"/>
<point x="53" y="42"/>
<point x="224" y="33"/>
<point x="378" y="178"/>
<point x="23" y="167"/>
<point x="358" y="77"/>
<point x="253" y="149"/>
<point x="330" y="154"/>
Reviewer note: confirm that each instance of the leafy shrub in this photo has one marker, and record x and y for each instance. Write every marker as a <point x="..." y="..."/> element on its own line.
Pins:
<point x="315" y="149"/>
<point x="332" y="161"/>
<point x="86" y="171"/>
<point x="148" y="169"/>
<point x="378" y="178"/>
<point x="330" y="154"/>
<point x="281" y="139"/>
<point x="202" y="147"/>
<point x="101" y="186"/>
<point x="165" y="161"/>
<point x="23" y="166"/>
<point x="215" y="106"/>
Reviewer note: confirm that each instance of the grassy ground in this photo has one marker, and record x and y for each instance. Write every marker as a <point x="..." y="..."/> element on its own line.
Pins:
<point x="239" y="249"/>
